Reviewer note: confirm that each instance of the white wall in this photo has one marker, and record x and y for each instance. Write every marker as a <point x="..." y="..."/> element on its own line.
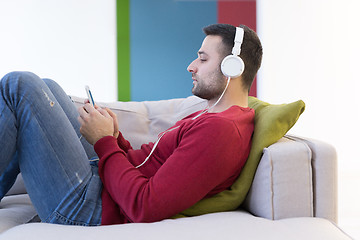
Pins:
<point x="311" y="52"/>
<point x="70" y="41"/>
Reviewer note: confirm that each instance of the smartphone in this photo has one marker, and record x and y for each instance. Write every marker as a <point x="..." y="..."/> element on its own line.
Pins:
<point x="88" y="92"/>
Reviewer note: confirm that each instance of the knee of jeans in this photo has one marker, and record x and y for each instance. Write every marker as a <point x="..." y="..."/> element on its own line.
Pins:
<point x="15" y="86"/>
<point x="20" y="75"/>
<point x="16" y="79"/>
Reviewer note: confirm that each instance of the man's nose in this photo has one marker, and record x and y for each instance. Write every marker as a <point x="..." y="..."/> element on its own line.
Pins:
<point x="192" y="68"/>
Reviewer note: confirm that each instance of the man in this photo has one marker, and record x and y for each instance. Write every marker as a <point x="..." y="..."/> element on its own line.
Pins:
<point x="194" y="159"/>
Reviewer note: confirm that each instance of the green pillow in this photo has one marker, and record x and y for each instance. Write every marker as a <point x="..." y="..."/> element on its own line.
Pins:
<point x="272" y="122"/>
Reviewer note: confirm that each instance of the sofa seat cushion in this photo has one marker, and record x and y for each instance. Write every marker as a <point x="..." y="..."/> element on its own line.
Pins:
<point x="224" y="225"/>
<point x="15" y="210"/>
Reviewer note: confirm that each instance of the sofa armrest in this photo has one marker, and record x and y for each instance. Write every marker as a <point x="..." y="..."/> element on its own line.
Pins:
<point x="282" y="186"/>
<point x="296" y="177"/>
<point x="325" y="178"/>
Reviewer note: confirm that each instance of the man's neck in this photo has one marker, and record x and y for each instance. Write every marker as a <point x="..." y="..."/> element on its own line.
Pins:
<point x="226" y="103"/>
<point x="235" y="95"/>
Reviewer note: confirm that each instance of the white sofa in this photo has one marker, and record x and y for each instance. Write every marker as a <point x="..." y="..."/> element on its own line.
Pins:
<point x="293" y="195"/>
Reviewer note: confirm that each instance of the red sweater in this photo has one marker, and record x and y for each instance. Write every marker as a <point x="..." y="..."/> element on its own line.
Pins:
<point x="198" y="159"/>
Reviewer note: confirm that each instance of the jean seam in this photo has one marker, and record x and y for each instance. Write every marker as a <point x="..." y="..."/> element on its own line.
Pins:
<point x="58" y="216"/>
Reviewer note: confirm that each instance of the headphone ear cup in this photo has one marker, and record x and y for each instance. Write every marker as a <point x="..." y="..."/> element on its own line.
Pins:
<point x="232" y="66"/>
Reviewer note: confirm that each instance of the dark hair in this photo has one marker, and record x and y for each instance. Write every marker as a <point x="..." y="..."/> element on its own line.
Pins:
<point x="251" y="49"/>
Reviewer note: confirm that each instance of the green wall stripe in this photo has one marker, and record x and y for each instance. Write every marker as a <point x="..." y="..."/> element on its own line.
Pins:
<point x="123" y="49"/>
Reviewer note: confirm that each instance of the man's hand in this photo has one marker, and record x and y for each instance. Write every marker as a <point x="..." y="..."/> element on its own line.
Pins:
<point x="97" y="123"/>
<point x="113" y="115"/>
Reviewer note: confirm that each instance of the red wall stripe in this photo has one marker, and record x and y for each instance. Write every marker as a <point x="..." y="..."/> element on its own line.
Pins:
<point x="236" y="12"/>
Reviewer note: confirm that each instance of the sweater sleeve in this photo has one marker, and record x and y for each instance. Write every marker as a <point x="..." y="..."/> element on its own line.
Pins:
<point x="204" y="158"/>
<point x="123" y="143"/>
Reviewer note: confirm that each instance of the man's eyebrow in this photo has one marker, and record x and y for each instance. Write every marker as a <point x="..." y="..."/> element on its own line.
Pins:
<point x="202" y="53"/>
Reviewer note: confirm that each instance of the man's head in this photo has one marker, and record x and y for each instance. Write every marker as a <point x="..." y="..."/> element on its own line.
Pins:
<point x="251" y="49"/>
<point x="205" y="69"/>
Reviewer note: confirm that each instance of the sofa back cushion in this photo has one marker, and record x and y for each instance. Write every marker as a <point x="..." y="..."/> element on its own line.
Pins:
<point x="141" y="122"/>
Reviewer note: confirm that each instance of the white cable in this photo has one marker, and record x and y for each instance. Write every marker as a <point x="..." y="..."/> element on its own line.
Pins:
<point x="222" y="94"/>
<point x="169" y="130"/>
<point x="156" y="143"/>
<point x="227" y="84"/>
<point x="94" y="160"/>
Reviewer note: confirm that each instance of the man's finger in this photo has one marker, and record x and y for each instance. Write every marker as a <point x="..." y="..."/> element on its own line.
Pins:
<point x="104" y="112"/>
<point x="111" y="113"/>
<point x="89" y="108"/>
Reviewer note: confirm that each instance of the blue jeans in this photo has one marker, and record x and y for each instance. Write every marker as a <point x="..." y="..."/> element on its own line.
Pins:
<point x="39" y="137"/>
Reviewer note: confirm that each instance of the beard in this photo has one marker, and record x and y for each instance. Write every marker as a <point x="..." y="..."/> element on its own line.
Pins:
<point x="209" y="87"/>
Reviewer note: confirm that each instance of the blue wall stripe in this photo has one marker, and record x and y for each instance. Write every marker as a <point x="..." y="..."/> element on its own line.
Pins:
<point x="165" y="37"/>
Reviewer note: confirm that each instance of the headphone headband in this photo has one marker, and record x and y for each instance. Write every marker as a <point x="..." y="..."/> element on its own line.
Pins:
<point x="239" y="36"/>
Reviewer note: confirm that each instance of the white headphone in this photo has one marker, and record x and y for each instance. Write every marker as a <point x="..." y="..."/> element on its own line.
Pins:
<point x="232" y="65"/>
